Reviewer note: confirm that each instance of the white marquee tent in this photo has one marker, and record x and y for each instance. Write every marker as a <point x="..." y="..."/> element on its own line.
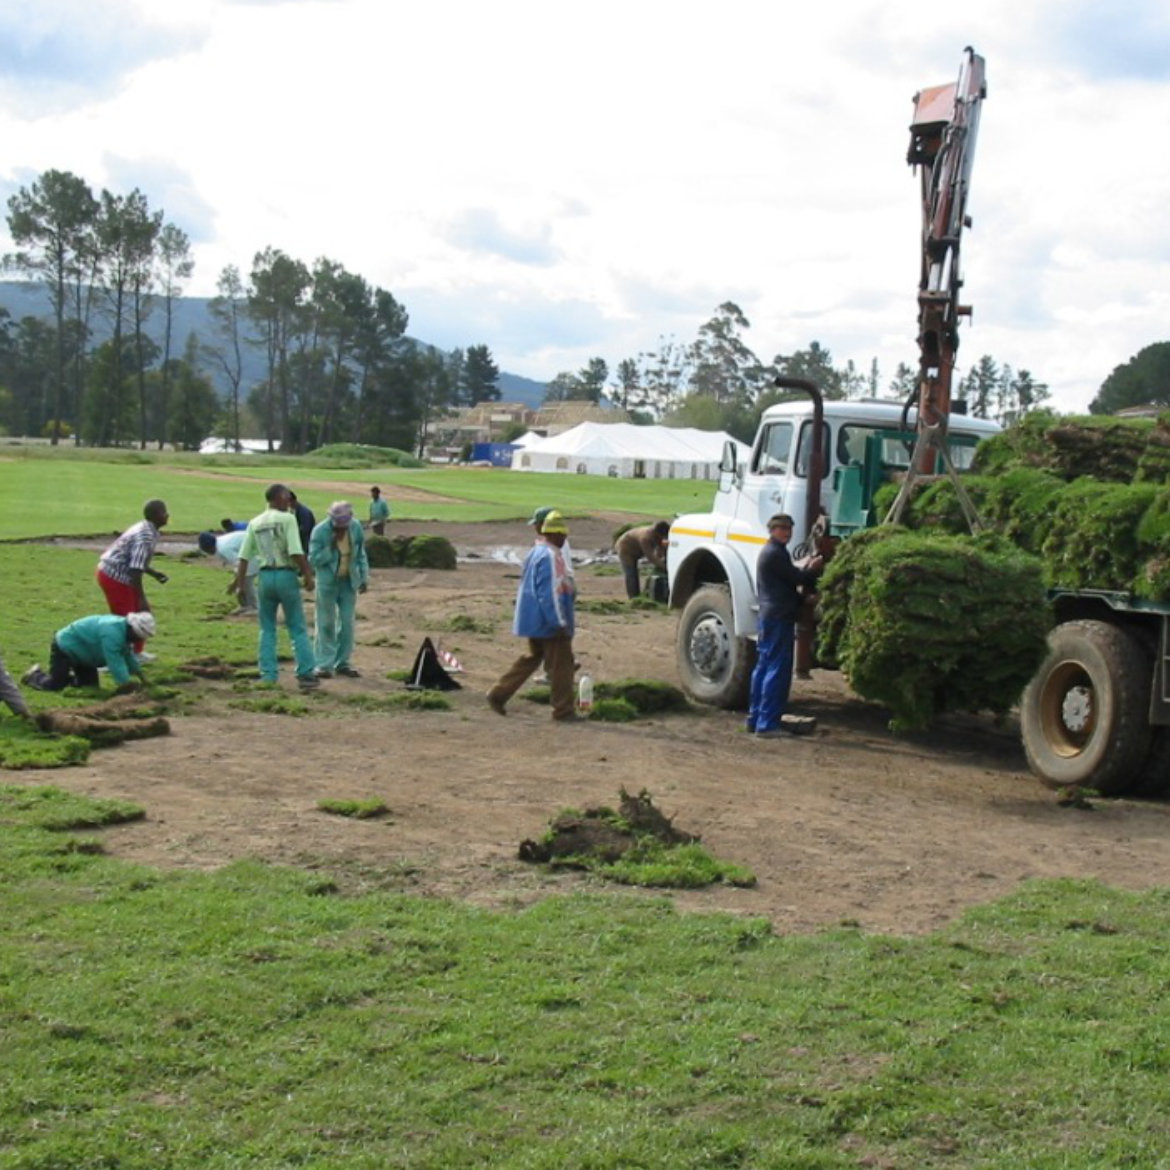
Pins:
<point x="625" y="451"/>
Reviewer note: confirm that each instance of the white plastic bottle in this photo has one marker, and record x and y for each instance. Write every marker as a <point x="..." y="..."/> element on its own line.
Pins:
<point x="585" y="695"/>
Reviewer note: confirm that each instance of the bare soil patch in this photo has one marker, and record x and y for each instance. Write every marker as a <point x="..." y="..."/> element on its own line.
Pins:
<point x="851" y="824"/>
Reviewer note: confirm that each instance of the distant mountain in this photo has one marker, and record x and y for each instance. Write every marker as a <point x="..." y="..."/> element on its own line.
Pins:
<point x="30" y="299"/>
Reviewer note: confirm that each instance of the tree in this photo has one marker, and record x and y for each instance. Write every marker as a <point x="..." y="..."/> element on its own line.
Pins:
<point x="1141" y="381"/>
<point x="979" y="387"/>
<point x="481" y="376"/>
<point x="378" y="342"/>
<point x="125" y="233"/>
<point x="174" y="266"/>
<point x="51" y="223"/>
<point x="722" y="365"/>
<point x="227" y="310"/>
<point x="195" y="400"/>
<point x="275" y="303"/>
<point x="662" y="376"/>
<point x="629" y="382"/>
<point x="814" y="364"/>
<point x="904" y="383"/>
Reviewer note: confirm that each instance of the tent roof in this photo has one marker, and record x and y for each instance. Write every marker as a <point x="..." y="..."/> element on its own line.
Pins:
<point x="627" y="441"/>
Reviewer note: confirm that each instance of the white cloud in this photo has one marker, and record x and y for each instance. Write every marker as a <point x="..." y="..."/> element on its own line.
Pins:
<point x="563" y="183"/>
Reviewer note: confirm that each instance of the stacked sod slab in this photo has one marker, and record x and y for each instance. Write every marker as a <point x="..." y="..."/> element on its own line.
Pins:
<point x="926" y="618"/>
<point x="929" y="622"/>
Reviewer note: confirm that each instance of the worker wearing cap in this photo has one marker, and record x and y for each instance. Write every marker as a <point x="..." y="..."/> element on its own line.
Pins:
<point x="78" y="650"/>
<point x="544" y="615"/>
<point x="536" y="521"/>
<point x="337" y="552"/>
<point x="778" y="589"/>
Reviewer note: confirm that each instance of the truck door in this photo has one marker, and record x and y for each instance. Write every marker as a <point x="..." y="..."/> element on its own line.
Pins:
<point x="776" y="479"/>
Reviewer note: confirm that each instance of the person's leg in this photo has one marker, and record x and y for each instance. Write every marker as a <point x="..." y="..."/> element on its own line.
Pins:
<point x="268" y="597"/>
<point x="517" y="674"/>
<point x="558" y="661"/>
<point x="765" y="701"/>
<point x="121" y="598"/>
<point x="59" y="675"/>
<point x="785" y="652"/>
<point x="325" y="628"/>
<point x="346" y="609"/>
<point x="633" y="581"/>
<point x="298" y="630"/>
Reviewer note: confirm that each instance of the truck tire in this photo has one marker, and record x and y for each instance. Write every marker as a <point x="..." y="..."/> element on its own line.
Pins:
<point x="715" y="665"/>
<point x="1083" y="716"/>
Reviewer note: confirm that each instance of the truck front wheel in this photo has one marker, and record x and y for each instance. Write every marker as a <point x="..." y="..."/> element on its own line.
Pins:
<point x="1084" y="715"/>
<point x="715" y="665"/>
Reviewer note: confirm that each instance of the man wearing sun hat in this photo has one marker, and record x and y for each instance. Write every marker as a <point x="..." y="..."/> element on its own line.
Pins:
<point x="544" y="615"/>
<point x="337" y="552"/>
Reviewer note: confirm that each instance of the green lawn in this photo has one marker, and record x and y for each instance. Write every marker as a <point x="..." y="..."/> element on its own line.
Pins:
<point x="76" y="493"/>
<point x="254" y="1017"/>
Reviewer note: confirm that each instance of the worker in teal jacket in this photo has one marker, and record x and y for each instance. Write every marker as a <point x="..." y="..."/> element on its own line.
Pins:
<point x="83" y="646"/>
<point x="337" y="552"/>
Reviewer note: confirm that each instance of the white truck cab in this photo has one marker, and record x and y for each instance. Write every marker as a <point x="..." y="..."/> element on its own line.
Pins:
<point x="711" y="561"/>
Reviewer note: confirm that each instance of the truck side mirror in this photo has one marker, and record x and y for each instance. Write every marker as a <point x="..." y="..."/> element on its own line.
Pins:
<point x="728" y="466"/>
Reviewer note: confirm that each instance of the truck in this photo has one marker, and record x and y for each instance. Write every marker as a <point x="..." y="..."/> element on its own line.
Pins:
<point x="1097" y="712"/>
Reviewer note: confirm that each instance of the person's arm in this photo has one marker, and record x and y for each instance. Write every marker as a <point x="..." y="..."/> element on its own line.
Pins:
<point x="361" y="560"/>
<point x="10" y="694"/>
<point x="237" y="585"/>
<point x="120" y="659"/>
<point x="306" y="570"/>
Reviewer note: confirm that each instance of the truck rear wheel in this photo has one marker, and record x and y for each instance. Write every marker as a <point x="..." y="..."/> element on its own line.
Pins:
<point x="1084" y="715"/>
<point x="715" y="665"/>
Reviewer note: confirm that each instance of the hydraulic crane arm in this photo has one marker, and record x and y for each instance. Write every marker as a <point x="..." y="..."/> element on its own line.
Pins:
<point x="942" y="146"/>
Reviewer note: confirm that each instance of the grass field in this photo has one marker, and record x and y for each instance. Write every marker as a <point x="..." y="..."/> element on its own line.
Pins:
<point x="79" y="494"/>
<point x="256" y="1018"/>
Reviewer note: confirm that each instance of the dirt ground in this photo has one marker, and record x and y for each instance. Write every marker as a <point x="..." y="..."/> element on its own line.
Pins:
<point x="852" y="824"/>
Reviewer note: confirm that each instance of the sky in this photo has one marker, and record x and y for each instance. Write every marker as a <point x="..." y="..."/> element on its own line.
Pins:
<point x="567" y="182"/>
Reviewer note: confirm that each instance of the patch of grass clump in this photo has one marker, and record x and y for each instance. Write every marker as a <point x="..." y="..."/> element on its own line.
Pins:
<point x="635" y="845"/>
<point x="56" y="810"/>
<point x="647" y="696"/>
<point x="361" y="810"/>
<point x="613" y="711"/>
<point x="275" y="704"/>
<point x="465" y="623"/>
<point x="400" y="701"/>
<point x="23" y="746"/>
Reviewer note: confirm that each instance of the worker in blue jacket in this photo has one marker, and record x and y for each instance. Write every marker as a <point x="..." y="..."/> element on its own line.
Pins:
<point x="337" y="552"/>
<point x="544" y="615"/>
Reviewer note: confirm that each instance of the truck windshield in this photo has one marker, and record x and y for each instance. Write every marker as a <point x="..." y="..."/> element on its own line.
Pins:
<point x="895" y="450"/>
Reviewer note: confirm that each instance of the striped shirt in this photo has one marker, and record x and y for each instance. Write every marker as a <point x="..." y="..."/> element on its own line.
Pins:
<point x="132" y="550"/>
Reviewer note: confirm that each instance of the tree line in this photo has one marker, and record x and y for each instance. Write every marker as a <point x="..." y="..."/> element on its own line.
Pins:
<point x="716" y="381"/>
<point x="338" y="366"/>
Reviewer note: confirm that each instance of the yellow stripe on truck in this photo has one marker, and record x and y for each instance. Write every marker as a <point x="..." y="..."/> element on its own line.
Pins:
<point x="748" y="539"/>
<point x="706" y="533"/>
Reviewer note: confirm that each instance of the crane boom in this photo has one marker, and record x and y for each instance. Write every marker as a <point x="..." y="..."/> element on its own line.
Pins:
<point x="942" y="147"/>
